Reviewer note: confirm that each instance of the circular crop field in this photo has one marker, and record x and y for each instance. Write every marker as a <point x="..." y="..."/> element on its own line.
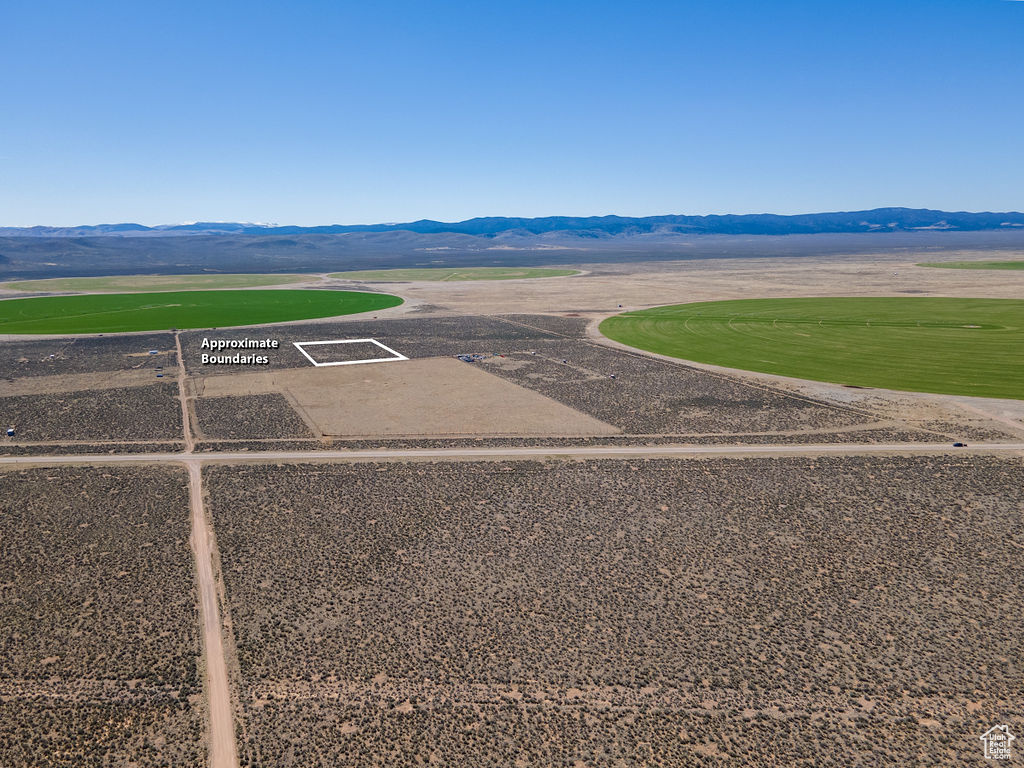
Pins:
<point x="924" y="344"/>
<point x="123" y="312"/>
<point x="138" y="283"/>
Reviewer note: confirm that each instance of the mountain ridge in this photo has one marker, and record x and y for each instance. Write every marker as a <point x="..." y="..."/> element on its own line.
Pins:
<point x="874" y="220"/>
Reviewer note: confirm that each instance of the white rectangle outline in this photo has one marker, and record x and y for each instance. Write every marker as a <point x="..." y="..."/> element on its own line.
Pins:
<point x="300" y="344"/>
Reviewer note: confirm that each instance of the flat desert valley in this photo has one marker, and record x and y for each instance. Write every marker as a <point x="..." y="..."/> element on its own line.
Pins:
<point x="523" y="545"/>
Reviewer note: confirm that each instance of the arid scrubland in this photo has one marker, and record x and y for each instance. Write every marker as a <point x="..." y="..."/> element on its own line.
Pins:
<point x="644" y="397"/>
<point x="249" y="417"/>
<point x="53" y="357"/>
<point x="142" y="413"/>
<point x="608" y="390"/>
<point x="830" y="611"/>
<point x="100" y="651"/>
<point x="413" y="337"/>
<point x="651" y="396"/>
<point x="107" y="390"/>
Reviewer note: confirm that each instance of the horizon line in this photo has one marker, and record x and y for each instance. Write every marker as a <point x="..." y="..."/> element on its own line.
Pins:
<point x="275" y="225"/>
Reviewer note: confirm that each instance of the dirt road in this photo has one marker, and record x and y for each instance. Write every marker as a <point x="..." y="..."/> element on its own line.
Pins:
<point x="186" y="425"/>
<point x="223" y="751"/>
<point x="603" y="451"/>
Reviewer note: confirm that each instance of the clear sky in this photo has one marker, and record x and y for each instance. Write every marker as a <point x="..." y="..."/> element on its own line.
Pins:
<point x="358" y="112"/>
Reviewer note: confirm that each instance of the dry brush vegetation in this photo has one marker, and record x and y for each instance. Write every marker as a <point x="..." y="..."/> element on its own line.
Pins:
<point x="54" y="357"/>
<point x="853" y="611"/>
<point x="99" y="652"/>
<point x="412" y="337"/>
<point x="124" y="414"/>
<point x="550" y="355"/>
<point x="141" y="409"/>
<point x="249" y="417"/>
<point x="650" y="396"/>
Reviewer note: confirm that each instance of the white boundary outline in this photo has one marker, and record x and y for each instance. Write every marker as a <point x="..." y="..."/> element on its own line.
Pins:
<point x="300" y="344"/>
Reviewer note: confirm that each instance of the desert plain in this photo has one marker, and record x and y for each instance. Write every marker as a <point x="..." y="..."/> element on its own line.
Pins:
<point x="525" y="545"/>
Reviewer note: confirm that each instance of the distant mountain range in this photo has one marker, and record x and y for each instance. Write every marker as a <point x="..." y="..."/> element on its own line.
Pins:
<point x="876" y="220"/>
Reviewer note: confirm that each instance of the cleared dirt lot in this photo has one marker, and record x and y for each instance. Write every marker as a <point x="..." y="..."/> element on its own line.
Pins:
<point x="776" y="611"/>
<point x="434" y="396"/>
<point x="554" y="356"/>
<point x="827" y="612"/>
<point x="648" y="397"/>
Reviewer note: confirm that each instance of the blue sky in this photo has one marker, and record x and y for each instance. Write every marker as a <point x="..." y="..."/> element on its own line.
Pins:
<point x="337" y="112"/>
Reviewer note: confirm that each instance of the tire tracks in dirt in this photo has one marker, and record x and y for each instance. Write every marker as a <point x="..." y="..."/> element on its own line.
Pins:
<point x="223" y="751"/>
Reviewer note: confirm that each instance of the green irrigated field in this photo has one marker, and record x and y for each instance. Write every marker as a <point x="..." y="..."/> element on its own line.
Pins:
<point x="123" y="312"/>
<point x="923" y="344"/>
<point x="437" y="274"/>
<point x="974" y="264"/>
<point x="126" y="283"/>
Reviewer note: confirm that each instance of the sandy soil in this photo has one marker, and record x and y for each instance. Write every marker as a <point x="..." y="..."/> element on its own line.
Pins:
<point x="648" y="284"/>
<point x="445" y="397"/>
<point x="223" y="751"/>
<point x="600" y="292"/>
<point x="182" y="377"/>
<point x="426" y="397"/>
<point x="582" y="453"/>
